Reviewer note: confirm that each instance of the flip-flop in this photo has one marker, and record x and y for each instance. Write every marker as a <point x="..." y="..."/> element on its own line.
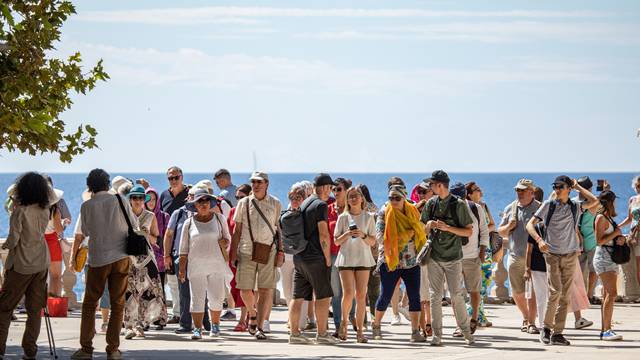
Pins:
<point x="253" y="325"/>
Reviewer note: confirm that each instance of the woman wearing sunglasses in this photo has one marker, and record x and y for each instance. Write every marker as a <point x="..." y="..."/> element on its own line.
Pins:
<point x="145" y="298"/>
<point x="475" y="194"/>
<point x="355" y="234"/>
<point x="401" y="235"/>
<point x="205" y="238"/>
<point x="607" y="232"/>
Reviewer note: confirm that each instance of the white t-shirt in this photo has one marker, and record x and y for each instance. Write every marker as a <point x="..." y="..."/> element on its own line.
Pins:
<point x="479" y="232"/>
<point x="200" y="243"/>
<point x="355" y="252"/>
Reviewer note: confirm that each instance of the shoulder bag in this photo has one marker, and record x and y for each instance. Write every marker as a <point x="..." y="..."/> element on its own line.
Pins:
<point x="136" y="244"/>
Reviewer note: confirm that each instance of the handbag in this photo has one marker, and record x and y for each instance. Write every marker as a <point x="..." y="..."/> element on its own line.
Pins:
<point x="424" y="254"/>
<point x="620" y="254"/>
<point x="495" y="242"/>
<point x="80" y="258"/>
<point x="260" y="252"/>
<point x="136" y="244"/>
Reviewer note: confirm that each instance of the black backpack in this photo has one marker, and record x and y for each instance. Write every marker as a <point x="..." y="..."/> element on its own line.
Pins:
<point x="292" y="227"/>
<point x="620" y="254"/>
<point x="452" y="207"/>
<point x="552" y="209"/>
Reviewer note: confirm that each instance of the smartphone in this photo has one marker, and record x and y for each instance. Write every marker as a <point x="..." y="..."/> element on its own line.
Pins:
<point x="353" y="227"/>
<point x="600" y="185"/>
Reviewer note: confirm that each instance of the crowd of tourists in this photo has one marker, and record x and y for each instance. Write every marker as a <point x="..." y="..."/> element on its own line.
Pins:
<point x="225" y="247"/>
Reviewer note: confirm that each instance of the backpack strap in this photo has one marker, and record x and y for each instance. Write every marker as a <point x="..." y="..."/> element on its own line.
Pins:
<point x="474" y="210"/>
<point x="552" y="209"/>
<point x="453" y="210"/>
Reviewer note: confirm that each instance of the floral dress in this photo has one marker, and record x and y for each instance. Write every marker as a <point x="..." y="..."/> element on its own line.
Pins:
<point x="144" y="299"/>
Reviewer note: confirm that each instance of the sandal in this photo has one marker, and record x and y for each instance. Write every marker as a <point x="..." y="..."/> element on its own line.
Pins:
<point x="342" y="332"/>
<point x="253" y="325"/>
<point x="532" y="329"/>
<point x="428" y="330"/>
<point x="260" y="335"/>
<point x="524" y="326"/>
<point x="360" y="338"/>
<point x="457" y="333"/>
<point x="473" y="325"/>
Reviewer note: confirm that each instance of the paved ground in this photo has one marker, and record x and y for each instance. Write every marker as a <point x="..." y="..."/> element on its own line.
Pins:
<point x="503" y="340"/>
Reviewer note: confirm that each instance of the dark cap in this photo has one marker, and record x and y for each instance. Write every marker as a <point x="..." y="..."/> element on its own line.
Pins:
<point x="438" y="176"/>
<point x="563" y="179"/>
<point x="585" y="182"/>
<point x="458" y="190"/>
<point x="323" y="179"/>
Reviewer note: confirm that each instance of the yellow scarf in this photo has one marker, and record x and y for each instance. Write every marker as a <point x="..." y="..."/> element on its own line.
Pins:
<point x="396" y="237"/>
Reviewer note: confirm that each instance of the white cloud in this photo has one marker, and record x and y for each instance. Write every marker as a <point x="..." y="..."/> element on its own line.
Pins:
<point x="491" y="32"/>
<point x="194" y="68"/>
<point x="245" y="15"/>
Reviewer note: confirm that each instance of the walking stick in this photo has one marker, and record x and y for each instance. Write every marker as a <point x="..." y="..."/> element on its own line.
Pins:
<point x="52" y="341"/>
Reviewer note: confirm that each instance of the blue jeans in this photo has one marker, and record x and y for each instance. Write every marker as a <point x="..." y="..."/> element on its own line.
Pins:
<point x="389" y="280"/>
<point x="336" y="300"/>
<point x="185" y="305"/>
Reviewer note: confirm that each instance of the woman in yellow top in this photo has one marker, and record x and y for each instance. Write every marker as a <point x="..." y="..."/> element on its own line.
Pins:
<point x="401" y="235"/>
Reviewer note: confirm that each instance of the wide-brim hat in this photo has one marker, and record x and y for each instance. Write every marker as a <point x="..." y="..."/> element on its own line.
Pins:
<point x="55" y="196"/>
<point x="117" y="182"/>
<point x="199" y="195"/>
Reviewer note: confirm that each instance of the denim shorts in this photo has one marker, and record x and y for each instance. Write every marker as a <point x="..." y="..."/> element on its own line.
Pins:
<point x="602" y="261"/>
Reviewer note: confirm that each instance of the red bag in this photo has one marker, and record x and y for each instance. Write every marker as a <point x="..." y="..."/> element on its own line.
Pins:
<point x="58" y="306"/>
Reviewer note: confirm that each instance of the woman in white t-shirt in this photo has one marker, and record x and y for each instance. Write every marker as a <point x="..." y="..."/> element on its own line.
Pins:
<point x="205" y="238"/>
<point x="355" y="234"/>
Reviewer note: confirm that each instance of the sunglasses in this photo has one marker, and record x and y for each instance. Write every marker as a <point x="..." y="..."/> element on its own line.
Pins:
<point x="203" y="201"/>
<point x="257" y="182"/>
<point x="476" y="189"/>
<point x="354" y="197"/>
<point x="559" y="187"/>
<point x="337" y="189"/>
<point x="174" y="178"/>
<point x="295" y="198"/>
<point x="395" y="198"/>
<point x="520" y="190"/>
<point x="137" y="197"/>
<point x="423" y="191"/>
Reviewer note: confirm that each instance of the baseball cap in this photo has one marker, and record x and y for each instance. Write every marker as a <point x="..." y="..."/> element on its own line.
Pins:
<point x="438" y="176"/>
<point x="563" y="179"/>
<point x="323" y="179"/>
<point x="524" y="184"/>
<point x="259" y="175"/>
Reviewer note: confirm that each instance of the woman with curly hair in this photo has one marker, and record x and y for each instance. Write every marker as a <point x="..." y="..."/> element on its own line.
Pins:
<point x="28" y="260"/>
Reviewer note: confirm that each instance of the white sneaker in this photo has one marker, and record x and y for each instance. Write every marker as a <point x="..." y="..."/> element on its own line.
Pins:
<point x="103" y="328"/>
<point x="468" y="338"/>
<point x="326" y="339"/>
<point x="583" y="323"/>
<point x="405" y="312"/>
<point x="436" y="340"/>
<point x="266" y="327"/>
<point x="396" y="320"/>
<point x="299" y="339"/>
<point x="129" y="334"/>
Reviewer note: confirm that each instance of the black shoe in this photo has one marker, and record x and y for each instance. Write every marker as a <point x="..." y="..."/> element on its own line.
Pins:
<point x="545" y="336"/>
<point x="182" y="330"/>
<point x="559" y="339"/>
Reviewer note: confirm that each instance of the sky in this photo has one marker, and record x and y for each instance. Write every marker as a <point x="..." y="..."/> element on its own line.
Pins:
<point x="356" y="86"/>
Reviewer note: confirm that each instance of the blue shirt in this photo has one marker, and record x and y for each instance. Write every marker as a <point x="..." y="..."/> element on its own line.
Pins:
<point x="229" y="193"/>
<point x="176" y="221"/>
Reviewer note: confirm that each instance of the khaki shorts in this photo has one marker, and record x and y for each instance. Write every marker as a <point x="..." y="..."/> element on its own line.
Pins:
<point x="251" y="276"/>
<point x="424" y="283"/>
<point x="517" y="266"/>
<point x="472" y="275"/>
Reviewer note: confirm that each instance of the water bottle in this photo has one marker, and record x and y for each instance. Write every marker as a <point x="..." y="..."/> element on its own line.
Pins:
<point x="528" y="289"/>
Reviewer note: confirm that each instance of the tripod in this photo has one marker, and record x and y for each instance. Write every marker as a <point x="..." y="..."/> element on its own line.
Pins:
<point x="52" y="341"/>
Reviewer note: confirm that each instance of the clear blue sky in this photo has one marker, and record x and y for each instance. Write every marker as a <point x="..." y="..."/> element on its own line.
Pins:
<point x="357" y="86"/>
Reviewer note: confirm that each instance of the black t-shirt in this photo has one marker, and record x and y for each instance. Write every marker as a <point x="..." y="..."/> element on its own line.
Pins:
<point x="169" y="203"/>
<point x="537" y="259"/>
<point x="315" y="210"/>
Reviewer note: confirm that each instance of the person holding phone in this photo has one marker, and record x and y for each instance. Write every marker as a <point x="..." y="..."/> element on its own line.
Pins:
<point x="355" y="234"/>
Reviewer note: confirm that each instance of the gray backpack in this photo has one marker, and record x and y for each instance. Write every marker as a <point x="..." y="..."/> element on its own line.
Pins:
<point x="292" y="229"/>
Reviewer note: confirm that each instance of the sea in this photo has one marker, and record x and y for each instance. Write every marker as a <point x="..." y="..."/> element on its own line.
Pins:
<point x="497" y="188"/>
